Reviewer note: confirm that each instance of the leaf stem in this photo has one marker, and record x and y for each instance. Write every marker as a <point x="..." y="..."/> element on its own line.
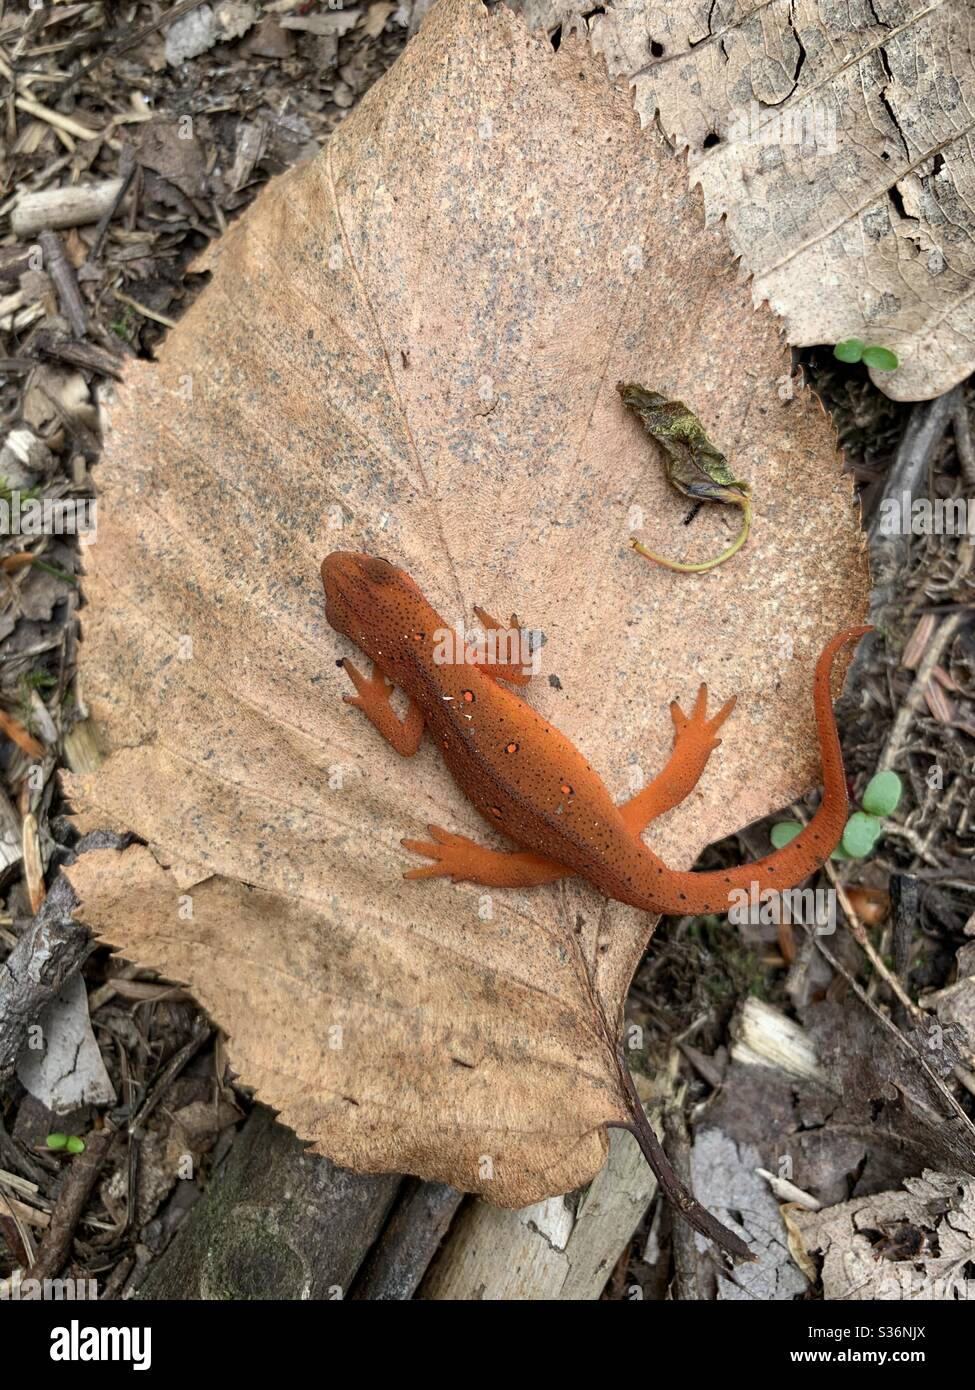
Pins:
<point x="670" y="1184"/>
<point x="733" y="548"/>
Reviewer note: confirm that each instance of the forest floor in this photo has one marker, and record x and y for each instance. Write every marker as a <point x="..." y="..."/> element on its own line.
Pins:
<point x="105" y="94"/>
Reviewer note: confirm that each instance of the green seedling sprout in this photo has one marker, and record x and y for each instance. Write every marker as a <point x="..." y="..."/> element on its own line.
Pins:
<point x="864" y="828"/>
<point x="65" y="1143"/>
<point x="881" y="359"/>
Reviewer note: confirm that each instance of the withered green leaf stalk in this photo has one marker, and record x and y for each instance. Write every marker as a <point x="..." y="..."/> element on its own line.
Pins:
<point x="693" y="465"/>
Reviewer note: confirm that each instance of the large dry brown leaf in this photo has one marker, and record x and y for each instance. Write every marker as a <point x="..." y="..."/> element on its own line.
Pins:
<point x="418" y="335"/>
<point x="837" y="140"/>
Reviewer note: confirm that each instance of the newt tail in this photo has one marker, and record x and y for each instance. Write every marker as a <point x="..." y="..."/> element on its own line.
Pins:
<point x="785" y="867"/>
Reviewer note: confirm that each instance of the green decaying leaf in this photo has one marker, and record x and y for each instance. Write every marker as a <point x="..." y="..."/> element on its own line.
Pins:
<point x="785" y="831"/>
<point x="694" y="466"/>
<point x="882" y="794"/>
<point x="861" y="834"/>
<point x="849" y="350"/>
<point x="881" y="359"/>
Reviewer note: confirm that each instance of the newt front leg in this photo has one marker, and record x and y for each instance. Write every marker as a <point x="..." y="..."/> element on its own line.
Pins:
<point x="372" y="697"/>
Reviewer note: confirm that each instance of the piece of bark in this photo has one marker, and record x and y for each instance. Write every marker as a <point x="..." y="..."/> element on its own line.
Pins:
<point x="556" y="1250"/>
<point x="33" y="974"/>
<point x="890" y="546"/>
<point x="687" y="1258"/>
<point x="62" y="273"/>
<point x="905" y="900"/>
<point x="63" y="207"/>
<point x="11" y="851"/>
<point x="78" y="354"/>
<point x="277" y="1222"/>
<point x="14" y="260"/>
<point x="400" y="1258"/>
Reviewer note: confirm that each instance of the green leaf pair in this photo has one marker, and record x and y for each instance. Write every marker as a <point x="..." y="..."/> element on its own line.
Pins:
<point x="853" y="350"/>
<point x="70" y="1143"/>
<point x="864" y="828"/>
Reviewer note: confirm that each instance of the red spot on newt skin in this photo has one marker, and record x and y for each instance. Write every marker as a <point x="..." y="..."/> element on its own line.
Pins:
<point x="579" y="830"/>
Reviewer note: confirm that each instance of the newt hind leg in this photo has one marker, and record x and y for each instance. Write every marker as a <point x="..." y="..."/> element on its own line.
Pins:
<point x="463" y="860"/>
<point x="694" y="742"/>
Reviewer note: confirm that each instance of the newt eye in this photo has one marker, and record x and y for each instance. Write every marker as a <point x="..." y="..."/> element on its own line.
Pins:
<point x="496" y="811"/>
<point x="468" y="696"/>
<point x="566" y="790"/>
<point x="511" y="748"/>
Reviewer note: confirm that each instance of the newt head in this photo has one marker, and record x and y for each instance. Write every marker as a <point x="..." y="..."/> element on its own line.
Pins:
<point x="378" y="606"/>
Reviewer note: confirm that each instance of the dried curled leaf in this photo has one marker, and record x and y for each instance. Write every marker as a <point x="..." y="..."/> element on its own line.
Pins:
<point x="694" y="466"/>
<point x="408" y="347"/>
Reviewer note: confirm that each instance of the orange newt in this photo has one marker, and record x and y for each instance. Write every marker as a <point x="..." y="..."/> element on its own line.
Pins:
<point x="529" y="780"/>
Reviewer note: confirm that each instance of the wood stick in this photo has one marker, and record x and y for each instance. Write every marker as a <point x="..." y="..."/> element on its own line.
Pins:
<point x="126" y="168"/>
<point x="55" y="1246"/>
<point x="559" y="1250"/>
<point x="278" y="1222"/>
<point x="399" y="1259"/>
<point x="63" y="207"/>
